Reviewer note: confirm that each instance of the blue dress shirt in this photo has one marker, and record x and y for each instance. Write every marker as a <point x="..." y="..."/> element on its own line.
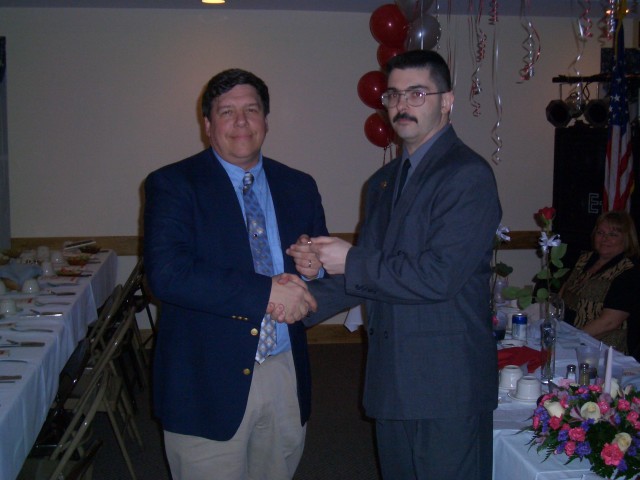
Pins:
<point x="261" y="189"/>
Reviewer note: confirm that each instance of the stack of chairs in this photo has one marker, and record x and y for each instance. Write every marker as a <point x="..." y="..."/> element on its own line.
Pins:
<point x="98" y="377"/>
<point x="99" y="388"/>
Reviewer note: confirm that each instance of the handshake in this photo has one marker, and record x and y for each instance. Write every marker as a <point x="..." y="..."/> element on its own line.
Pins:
<point x="290" y="299"/>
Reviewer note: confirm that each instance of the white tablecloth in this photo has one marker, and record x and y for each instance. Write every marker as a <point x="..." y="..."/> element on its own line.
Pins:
<point x="25" y="403"/>
<point x="512" y="457"/>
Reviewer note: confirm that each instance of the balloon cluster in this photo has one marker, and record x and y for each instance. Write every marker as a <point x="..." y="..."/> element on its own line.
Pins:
<point x="397" y="27"/>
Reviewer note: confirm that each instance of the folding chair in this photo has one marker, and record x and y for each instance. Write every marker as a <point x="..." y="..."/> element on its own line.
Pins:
<point x="73" y="454"/>
<point x="117" y="402"/>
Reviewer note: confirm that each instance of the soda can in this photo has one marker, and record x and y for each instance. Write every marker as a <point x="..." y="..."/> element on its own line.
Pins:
<point x="519" y="326"/>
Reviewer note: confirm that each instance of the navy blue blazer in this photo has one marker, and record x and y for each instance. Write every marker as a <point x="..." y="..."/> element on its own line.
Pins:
<point x="199" y="265"/>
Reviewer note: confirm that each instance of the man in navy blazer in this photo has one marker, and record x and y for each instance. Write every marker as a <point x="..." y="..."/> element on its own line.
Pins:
<point x="225" y="415"/>
<point x="422" y="268"/>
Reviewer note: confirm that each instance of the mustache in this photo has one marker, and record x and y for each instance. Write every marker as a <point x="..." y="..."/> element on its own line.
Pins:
<point x="404" y="116"/>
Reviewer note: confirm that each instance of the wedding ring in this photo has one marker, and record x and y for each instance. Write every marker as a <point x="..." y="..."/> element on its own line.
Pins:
<point x="309" y="266"/>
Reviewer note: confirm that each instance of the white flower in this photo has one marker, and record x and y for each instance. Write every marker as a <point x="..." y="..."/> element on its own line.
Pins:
<point x="502" y="233"/>
<point x="555" y="409"/>
<point x="615" y="388"/>
<point x="590" y="410"/>
<point x="623" y="440"/>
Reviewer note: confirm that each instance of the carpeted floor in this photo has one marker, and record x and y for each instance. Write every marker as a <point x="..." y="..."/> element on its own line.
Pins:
<point x="339" y="444"/>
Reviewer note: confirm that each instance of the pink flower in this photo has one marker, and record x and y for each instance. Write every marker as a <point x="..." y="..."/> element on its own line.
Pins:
<point x="536" y="422"/>
<point x="604" y="406"/>
<point x="611" y="454"/>
<point x="577" y="434"/>
<point x="595" y="388"/>
<point x="565" y="426"/>
<point x="636" y="400"/>
<point x="623" y="405"/>
<point x="555" y="423"/>
<point x="570" y="448"/>
<point x="632" y="416"/>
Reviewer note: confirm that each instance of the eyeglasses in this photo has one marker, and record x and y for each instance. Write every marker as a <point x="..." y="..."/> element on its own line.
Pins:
<point x="612" y="234"/>
<point x="415" y="97"/>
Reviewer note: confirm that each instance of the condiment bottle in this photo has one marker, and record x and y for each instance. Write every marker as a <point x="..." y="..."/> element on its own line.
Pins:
<point x="571" y="373"/>
<point x="583" y="376"/>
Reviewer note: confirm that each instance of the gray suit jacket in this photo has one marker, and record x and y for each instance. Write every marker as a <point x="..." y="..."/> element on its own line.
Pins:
<point x="422" y="270"/>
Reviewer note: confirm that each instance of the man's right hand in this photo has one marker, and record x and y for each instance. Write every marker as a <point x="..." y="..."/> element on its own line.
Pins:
<point x="290" y="299"/>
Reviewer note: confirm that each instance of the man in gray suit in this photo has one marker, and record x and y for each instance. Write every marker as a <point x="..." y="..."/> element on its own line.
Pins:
<point x="422" y="268"/>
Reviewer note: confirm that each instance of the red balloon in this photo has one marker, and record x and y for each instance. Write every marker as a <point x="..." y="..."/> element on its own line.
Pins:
<point x="371" y="86"/>
<point x="378" y="131"/>
<point x="389" y="26"/>
<point x="385" y="54"/>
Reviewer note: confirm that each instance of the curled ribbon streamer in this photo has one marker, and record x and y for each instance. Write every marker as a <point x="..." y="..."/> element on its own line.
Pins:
<point x="546" y="243"/>
<point x="493" y="13"/>
<point x="606" y="23"/>
<point x="495" y="135"/>
<point x="384" y="154"/>
<point x="584" y="20"/>
<point x="531" y="44"/>
<point x="452" y="50"/>
<point x="478" y="51"/>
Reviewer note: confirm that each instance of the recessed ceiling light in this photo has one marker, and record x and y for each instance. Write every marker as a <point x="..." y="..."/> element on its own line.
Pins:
<point x="215" y="2"/>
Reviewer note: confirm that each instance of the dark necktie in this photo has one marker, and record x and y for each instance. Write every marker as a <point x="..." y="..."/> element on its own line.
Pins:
<point x="262" y="261"/>
<point x="403" y="178"/>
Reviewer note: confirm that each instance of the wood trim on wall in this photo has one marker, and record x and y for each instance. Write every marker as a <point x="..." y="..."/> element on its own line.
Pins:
<point x="132" y="245"/>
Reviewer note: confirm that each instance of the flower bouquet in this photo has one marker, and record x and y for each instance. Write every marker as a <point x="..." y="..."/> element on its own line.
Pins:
<point x="585" y="422"/>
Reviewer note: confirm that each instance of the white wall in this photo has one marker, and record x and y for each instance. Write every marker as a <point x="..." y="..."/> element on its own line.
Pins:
<point x="97" y="98"/>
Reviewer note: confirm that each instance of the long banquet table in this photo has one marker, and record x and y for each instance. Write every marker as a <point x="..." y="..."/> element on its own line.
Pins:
<point x="513" y="459"/>
<point x="24" y="403"/>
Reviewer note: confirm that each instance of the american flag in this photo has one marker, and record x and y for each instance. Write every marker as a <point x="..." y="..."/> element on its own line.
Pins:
<point x="618" y="176"/>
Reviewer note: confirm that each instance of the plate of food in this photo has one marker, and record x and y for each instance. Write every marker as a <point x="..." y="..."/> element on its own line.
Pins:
<point x="71" y="272"/>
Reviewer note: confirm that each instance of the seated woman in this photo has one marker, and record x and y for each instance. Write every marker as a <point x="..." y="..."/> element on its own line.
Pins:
<point x="601" y="293"/>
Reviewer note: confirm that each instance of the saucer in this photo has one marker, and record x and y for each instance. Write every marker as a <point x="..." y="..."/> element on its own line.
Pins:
<point x="512" y="395"/>
<point x="510" y="343"/>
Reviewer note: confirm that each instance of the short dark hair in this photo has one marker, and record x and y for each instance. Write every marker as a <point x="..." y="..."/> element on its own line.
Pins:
<point x="225" y="81"/>
<point x="426" y="59"/>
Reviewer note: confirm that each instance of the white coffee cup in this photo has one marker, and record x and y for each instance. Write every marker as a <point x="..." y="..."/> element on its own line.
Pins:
<point x="528" y="388"/>
<point x="47" y="269"/>
<point x="56" y="256"/>
<point x="8" y="305"/>
<point x="509" y="377"/>
<point x="30" y="286"/>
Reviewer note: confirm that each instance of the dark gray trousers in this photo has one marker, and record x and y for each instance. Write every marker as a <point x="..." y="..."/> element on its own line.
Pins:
<point x="436" y="449"/>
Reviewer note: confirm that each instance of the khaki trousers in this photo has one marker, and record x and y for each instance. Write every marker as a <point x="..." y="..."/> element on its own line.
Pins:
<point x="268" y="444"/>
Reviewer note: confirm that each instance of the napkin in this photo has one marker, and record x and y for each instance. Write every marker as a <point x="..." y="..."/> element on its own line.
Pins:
<point x="19" y="272"/>
<point x="519" y="356"/>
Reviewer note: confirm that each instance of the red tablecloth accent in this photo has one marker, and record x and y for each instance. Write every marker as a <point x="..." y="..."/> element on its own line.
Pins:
<point x="519" y="356"/>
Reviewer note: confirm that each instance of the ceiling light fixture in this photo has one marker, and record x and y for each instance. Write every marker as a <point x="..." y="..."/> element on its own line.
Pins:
<point x="213" y="2"/>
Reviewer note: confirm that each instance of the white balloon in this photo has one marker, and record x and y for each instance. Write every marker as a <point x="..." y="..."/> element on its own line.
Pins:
<point x="423" y="34"/>
<point x="414" y="8"/>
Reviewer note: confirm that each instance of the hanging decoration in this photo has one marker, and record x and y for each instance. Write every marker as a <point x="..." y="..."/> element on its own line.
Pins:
<point x="607" y="23"/>
<point x="531" y="44"/>
<point x="452" y="48"/>
<point x="478" y="45"/>
<point x="495" y="131"/>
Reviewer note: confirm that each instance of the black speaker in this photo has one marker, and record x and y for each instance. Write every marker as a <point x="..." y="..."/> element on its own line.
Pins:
<point x="578" y="183"/>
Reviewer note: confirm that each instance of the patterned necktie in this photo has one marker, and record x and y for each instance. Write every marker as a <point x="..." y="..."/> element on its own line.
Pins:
<point x="262" y="262"/>
<point x="403" y="178"/>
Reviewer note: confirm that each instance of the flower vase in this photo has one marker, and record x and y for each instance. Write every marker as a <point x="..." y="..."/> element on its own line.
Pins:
<point x="500" y="283"/>
<point x="548" y="334"/>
